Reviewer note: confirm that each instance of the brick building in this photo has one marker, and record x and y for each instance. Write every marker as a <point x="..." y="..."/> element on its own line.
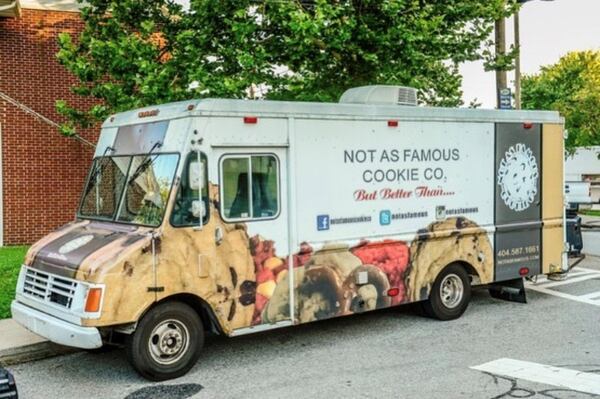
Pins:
<point x="41" y="172"/>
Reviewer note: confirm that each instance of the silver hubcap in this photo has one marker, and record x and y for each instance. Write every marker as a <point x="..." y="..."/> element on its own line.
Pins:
<point x="451" y="291"/>
<point x="168" y="342"/>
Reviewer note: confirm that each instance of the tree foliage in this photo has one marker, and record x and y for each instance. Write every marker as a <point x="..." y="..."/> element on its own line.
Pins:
<point x="134" y="53"/>
<point x="572" y="87"/>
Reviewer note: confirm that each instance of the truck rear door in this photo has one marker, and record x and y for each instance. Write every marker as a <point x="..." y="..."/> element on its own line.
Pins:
<point x="518" y="216"/>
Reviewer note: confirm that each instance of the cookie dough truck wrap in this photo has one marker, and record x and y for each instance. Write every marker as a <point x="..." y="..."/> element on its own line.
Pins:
<point x="231" y="217"/>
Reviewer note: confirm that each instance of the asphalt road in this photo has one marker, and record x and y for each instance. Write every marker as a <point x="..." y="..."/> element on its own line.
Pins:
<point x="396" y="353"/>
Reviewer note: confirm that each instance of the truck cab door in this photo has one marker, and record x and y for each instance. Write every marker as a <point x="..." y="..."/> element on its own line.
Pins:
<point x="252" y="206"/>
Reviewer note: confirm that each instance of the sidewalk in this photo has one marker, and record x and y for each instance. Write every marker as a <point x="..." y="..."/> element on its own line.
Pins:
<point x="18" y="345"/>
<point x="590" y="220"/>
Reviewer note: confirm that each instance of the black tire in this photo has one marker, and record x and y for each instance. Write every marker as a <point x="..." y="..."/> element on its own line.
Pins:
<point x="179" y="328"/>
<point x="436" y="306"/>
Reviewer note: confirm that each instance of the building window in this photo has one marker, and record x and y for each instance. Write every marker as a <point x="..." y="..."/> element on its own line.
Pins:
<point x="249" y="187"/>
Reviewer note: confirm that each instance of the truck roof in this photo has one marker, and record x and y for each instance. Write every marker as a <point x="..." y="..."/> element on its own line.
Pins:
<point x="312" y="110"/>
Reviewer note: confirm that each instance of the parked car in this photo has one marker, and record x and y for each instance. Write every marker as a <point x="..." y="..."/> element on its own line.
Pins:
<point x="8" y="388"/>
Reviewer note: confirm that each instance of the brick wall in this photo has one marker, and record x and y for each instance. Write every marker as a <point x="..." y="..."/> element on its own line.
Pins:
<point x="43" y="172"/>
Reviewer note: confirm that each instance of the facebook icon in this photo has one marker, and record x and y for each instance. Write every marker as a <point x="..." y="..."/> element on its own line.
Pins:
<point x="322" y="222"/>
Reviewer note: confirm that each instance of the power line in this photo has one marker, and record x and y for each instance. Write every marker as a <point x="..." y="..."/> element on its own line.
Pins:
<point x="40" y="117"/>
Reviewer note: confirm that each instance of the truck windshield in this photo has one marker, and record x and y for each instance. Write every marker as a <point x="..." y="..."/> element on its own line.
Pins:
<point x="129" y="189"/>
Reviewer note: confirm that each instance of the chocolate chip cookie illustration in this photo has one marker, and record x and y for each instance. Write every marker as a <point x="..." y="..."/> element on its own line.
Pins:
<point x="441" y="243"/>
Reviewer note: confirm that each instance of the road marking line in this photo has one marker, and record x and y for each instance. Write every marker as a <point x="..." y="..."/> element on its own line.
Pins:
<point x="572" y="280"/>
<point x="544" y="374"/>
<point x="543" y="285"/>
<point x="542" y="279"/>
<point x="588" y="270"/>
<point x="592" y="295"/>
<point x="579" y="271"/>
<point x="563" y="295"/>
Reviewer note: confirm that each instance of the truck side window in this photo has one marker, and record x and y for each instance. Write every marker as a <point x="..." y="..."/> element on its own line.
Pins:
<point x="250" y="187"/>
<point x="188" y="207"/>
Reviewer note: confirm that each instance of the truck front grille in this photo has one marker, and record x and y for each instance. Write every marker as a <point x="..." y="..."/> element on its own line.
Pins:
<point x="49" y="288"/>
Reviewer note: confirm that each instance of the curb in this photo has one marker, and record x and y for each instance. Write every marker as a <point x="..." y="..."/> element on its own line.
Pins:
<point x="28" y="353"/>
<point x="19" y="345"/>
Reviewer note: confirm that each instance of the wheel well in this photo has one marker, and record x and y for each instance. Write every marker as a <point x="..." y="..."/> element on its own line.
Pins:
<point x="470" y="271"/>
<point x="205" y="312"/>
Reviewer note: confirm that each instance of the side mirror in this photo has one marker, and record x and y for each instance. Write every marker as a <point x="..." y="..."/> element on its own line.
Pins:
<point x="197" y="179"/>
<point x="196" y="175"/>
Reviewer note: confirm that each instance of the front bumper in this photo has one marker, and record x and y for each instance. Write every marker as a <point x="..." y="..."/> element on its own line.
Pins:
<point x="54" y="329"/>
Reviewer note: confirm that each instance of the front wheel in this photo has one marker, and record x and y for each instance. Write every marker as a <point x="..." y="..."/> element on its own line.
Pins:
<point x="450" y="294"/>
<point x="167" y="342"/>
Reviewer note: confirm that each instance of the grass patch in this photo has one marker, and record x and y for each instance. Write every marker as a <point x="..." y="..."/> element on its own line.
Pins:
<point x="11" y="259"/>
<point x="590" y="212"/>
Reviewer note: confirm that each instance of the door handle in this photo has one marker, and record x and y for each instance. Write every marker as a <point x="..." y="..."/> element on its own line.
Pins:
<point x="218" y="235"/>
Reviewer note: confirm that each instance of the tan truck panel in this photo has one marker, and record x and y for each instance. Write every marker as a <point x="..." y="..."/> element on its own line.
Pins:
<point x="552" y="197"/>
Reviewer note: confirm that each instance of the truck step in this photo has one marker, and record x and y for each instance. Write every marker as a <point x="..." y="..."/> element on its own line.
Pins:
<point x="511" y="290"/>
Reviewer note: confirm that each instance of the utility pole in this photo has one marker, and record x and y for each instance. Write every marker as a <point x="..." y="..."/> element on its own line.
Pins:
<point x="501" y="81"/>
<point x="517" y="25"/>
<point x="517" y="61"/>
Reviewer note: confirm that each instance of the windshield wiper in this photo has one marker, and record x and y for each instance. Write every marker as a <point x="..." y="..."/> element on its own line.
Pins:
<point x="144" y="165"/>
<point x="96" y="171"/>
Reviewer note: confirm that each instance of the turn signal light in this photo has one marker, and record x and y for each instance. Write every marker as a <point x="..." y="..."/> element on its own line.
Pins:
<point x="92" y="303"/>
<point x="524" y="271"/>
<point x="393" y="291"/>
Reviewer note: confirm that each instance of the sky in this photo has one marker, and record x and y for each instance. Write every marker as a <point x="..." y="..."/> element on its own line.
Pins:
<point x="549" y="30"/>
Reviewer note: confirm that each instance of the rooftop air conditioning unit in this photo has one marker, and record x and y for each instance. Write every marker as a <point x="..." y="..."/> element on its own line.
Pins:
<point x="396" y="95"/>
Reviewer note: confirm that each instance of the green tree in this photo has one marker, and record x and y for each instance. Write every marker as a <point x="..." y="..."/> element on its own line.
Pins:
<point x="572" y="87"/>
<point x="334" y="45"/>
<point x="133" y="53"/>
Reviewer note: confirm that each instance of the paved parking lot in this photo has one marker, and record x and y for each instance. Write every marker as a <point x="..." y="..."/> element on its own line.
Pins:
<point x="581" y="286"/>
<point x="387" y="354"/>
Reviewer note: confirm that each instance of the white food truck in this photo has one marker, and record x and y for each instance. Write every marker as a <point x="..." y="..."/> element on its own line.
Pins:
<point x="232" y="217"/>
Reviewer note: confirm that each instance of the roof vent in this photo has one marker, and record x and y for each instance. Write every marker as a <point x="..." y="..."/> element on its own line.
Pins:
<point x="396" y="95"/>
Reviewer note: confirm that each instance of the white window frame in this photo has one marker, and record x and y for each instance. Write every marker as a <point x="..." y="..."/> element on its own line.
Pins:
<point x="248" y="156"/>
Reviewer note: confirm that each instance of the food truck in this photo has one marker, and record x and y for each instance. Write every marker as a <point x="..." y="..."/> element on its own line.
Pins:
<point x="230" y="217"/>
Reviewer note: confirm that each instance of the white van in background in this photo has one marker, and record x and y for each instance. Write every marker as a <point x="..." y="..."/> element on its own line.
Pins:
<point x="577" y="192"/>
<point x="583" y="167"/>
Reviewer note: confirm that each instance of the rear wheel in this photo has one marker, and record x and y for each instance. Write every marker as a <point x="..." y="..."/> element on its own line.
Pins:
<point x="450" y="294"/>
<point x="167" y="342"/>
